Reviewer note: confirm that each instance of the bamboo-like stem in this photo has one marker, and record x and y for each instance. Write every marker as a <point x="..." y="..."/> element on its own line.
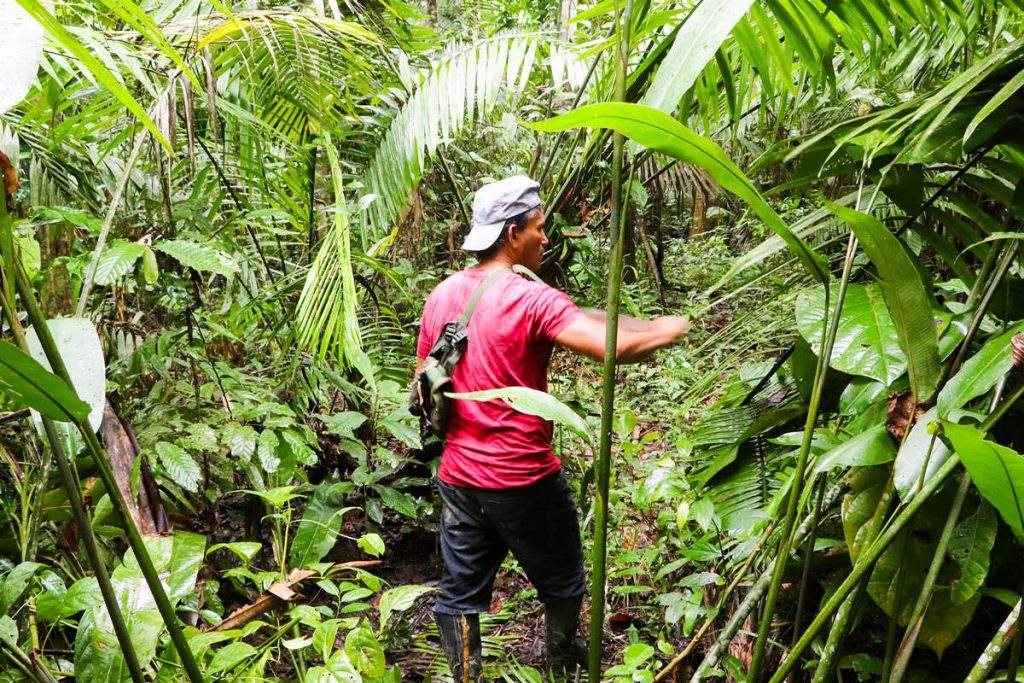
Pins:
<point x="603" y="464"/>
<point x="1011" y="669"/>
<point x="793" y="503"/>
<point x="805" y="577"/>
<point x="720" y="645"/>
<point x="902" y="661"/>
<point x="994" y="650"/>
<point x="870" y="555"/>
<point x="110" y="484"/>
<point x="71" y="483"/>
<point x="837" y="634"/>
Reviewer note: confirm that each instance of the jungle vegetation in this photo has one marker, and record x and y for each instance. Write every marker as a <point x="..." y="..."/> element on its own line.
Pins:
<point x="219" y="222"/>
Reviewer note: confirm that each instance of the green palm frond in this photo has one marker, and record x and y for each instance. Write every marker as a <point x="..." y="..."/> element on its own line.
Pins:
<point x="461" y="86"/>
<point x="326" y="320"/>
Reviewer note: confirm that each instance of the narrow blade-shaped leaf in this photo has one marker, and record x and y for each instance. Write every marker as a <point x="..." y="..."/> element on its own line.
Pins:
<point x="660" y="132"/>
<point x="696" y="43"/>
<point x="905" y="296"/>
<point x="533" y="402"/>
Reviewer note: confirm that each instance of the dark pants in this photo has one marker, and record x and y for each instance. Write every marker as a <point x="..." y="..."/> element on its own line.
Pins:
<point x="538" y="523"/>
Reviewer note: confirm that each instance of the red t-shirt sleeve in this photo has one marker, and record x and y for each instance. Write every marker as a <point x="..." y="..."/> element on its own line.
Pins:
<point x="552" y="311"/>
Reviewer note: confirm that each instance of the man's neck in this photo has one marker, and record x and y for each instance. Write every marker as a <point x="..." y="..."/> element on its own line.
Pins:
<point x="500" y="260"/>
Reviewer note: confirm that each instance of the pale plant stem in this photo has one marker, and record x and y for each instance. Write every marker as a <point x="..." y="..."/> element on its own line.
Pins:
<point x="979" y="673"/>
<point x="836" y="636"/>
<point x="108" y="221"/>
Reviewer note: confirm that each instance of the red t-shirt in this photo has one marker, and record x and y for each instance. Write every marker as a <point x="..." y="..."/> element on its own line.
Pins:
<point x="511" y="335"/>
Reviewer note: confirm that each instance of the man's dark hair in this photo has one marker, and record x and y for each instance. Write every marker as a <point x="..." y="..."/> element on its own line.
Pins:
<point x="519" y="222"/>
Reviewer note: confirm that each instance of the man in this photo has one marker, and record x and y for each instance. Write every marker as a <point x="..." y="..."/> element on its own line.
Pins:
<point x="500" y="483"/>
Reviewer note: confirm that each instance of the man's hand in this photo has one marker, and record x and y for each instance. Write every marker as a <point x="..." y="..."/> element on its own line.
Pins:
<point x="636" y="340"/>
<point x="672" y="326"/>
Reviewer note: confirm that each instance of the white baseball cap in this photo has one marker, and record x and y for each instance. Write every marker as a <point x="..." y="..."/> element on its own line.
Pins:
<point x="495" y="203"/>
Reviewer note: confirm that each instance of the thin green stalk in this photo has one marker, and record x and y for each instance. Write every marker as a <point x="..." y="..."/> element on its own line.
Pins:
<point x="73" y="488"/>
<point x="837" y="635"/>
<point x="902" y="661"/>
<point x="114" y="493"/>
<point x="108" y="221"/>
<point x="805" y="577"/>
<point x="793" y="502"/>
<point x="602" y="466"/>
<point x="994" y="650"/>
<point x="740" y="614"/>
<point x="892" y="633"/>
<point x="32" y="667"/>
<point x="870" y="555"/>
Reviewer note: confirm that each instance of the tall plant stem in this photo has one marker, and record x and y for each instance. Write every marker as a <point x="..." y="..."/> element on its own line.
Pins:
<point x="110" y="484"/>
<point x="805" y="577"/>
<point x="793" y="502"/>
<point x="74" y="493"/>
<point x="868" y="557"/>
<point x="737" y="618"/>
<point x="108" y="221"/>
<point x="1011" y="669"/>
<point x="916" y="620"/>
<point x="837" y="635"/>
<point x="603" y="464"/>
<point x="994" y="650"/>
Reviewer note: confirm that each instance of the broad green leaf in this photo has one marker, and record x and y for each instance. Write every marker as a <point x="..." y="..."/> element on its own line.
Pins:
<point x="997" y="471"/>
<point x="696" y="43"/>
<point x="861" y="505"/>
<point x="117" y="260"/>
<point x="533" y="402"/>
<point x="871" y="447"/>
<point x="658" y="131"/>
<point x="245" y="550"/>
<point x="866" y="343"/>
<point x="79" y="347"/>
<point x="979" y="373"/>
<point x="321" y="520"/>
<point x="344" y="423"/>
<point x="398" y="501"/>
<point x="398" y="600"/>
<point x="179" y="466"/>
<point x="198" y="256"/>
<point x="240" y="440"/>
<point x="25" y="381"/>
<point x="971" y="547"/>
<point x="364" y="651"/>
<point x="230" y="656"/>
<point x="906" y="298"/>
<point x="150" y="268"/>
<point x="298" y="447"/>
<point x="921" y="451"/>
<point x="266" y="451"/>
<point x="15" y="583"/>
<point x="177" y="560"/>
<point x="372" y="544"/>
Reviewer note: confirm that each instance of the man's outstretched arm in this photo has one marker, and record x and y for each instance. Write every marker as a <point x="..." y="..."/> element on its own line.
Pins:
<point x="636" y="340"/>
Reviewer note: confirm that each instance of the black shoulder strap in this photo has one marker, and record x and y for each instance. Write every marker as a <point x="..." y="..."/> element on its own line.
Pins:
<point x="471" y="306"/>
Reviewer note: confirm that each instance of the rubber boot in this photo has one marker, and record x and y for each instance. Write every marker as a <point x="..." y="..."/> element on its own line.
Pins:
<point x="460" y="640"/>
<point x="565" y="651"/>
